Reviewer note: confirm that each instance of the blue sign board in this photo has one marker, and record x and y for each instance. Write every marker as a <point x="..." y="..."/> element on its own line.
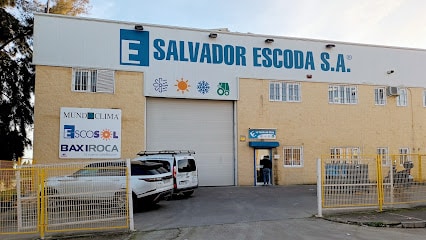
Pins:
<point x="262" y="134"/>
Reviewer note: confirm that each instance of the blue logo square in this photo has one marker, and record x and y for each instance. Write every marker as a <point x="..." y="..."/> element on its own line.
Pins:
<point x="69" y="131"/>
<point x="134" y="47"/>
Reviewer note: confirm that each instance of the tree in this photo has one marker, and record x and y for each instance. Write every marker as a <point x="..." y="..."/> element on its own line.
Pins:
<point x="70" y="7"/>
<point x="16" y="84"/>
<point x="7" y="3"/>
<point x="16" y="71"/>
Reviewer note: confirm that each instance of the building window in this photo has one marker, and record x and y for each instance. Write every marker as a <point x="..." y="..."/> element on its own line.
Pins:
<point x="404" y="155"/>
<point x="344" y="154"/>
<point x="284" y="91"/>
<point x="424" y="98"/>
<point x="293" y="156"/>
<point x="93" y="80"/>
<point x="383" y="153"/>
<point x="341" y="94"/>
<point x="380" y="96"/>
<point x="401" y="100"/>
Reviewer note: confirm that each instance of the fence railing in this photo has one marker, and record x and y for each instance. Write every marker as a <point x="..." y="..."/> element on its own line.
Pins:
<point x="43" y="199"/>
<point x="377" y="181"/>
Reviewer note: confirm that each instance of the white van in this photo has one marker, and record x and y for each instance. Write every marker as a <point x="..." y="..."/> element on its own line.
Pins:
<point x="181" y="163"/>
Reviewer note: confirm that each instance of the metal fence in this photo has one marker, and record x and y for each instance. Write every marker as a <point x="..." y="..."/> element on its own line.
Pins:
<point x="47" y="199"/>
<point x="378" y="181"/>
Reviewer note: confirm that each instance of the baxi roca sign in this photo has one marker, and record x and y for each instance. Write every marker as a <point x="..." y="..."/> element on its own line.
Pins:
<point x="90" y="133"/>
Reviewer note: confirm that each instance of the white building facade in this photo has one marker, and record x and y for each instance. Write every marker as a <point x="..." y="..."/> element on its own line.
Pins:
<point x="107" y="90"/>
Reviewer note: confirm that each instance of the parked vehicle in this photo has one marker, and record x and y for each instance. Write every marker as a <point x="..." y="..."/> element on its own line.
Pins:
<point x="150" y="183"/>
<point x="402" y="178"/>
<point x="181" y="163"/>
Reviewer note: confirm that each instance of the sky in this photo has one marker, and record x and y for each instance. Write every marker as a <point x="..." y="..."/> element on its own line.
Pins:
<point x="400" y="23"/>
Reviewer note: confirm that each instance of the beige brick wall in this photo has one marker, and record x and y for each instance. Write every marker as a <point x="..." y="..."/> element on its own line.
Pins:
<point x="317" y="126"/>
<point x="312" y="123"/>
<point x="53" y="91"/>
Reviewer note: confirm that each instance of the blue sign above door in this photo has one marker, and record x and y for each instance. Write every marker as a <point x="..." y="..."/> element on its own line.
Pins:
<point x="262" y="133"/>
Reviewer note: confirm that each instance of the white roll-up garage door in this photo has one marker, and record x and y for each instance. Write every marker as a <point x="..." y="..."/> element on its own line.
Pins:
<point x="205" y="126"/>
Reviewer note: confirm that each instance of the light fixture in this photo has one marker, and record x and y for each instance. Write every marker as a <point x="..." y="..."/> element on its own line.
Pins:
<point x="390" y="71"/>
<point x="330" y="45"/>
<point x="138" y="27"/>
<point x="269" y="40"/>
<point x="213" y="35"/>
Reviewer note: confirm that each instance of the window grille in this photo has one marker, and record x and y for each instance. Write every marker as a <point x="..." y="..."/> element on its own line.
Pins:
<point x="284" y="91"/>
<point x="424" y="98"/>
<point x="93" y="80"/>
<point x="293" y="156"/>
<point x="342" y="94"/>
<point x="401" y="100"/>
<point x="380" y="96"/>
<point x="383" y="153"/>
<point x="404" y="155"/>
<point x="345" y="154"/>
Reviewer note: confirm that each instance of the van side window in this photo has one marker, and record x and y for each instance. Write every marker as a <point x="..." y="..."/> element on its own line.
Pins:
<point x="186" y="165"/>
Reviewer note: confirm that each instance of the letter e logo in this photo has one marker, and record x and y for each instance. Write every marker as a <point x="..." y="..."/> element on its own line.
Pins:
<point x="69" y="131"/>
<point x="134" y="47"/>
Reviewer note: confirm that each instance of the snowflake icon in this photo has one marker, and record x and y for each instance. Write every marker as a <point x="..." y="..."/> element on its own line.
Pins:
<point x="160" y="85"/>
<point x="203" y="87"/>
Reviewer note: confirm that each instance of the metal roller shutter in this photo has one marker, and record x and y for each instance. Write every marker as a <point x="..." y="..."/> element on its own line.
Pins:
<point x="205" y="126"/>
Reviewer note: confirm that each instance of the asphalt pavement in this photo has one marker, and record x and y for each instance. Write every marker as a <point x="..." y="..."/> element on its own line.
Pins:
<point x="271" y="212"/>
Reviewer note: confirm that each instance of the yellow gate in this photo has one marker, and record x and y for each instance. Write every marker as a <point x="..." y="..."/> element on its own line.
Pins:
<point x="359" y="181"/>
<point x="72" y="197"/>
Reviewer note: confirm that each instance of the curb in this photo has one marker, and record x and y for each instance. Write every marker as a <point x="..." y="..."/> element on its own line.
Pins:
<point x="369" y="224"/>
<point x="416" y="224"/>
<point x="391" y="218"/>
<point x="388" y="224"/>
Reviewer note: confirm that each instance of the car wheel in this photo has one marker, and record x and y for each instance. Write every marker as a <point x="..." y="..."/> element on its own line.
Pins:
<point x="120" y="200"/>
<point x="188" y="193"/>
<point x="52" y="202"/>
<point x="137" y="204"/>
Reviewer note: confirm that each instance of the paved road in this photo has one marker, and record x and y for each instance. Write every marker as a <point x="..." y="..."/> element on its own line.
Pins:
<point x="228" y="205"/>
<point x="257" y="213"/>
<point x="282" y="212"/>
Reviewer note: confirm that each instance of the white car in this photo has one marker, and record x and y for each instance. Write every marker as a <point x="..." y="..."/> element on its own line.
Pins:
<point x="181" y="163"/>
<point x="106" y="181"/>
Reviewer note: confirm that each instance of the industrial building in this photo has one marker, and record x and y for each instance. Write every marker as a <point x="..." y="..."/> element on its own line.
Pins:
<point x="107" y="90"/>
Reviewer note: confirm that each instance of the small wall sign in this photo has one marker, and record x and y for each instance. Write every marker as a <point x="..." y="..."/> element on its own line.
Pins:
<point x="262" y="133"/>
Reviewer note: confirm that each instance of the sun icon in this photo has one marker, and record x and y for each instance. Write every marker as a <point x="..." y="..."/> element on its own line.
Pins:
<point x="182" y="85"/>
<point x="106" y="134"/>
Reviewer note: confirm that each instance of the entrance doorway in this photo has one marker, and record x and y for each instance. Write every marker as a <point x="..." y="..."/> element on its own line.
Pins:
<point x="258" y="175"/>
